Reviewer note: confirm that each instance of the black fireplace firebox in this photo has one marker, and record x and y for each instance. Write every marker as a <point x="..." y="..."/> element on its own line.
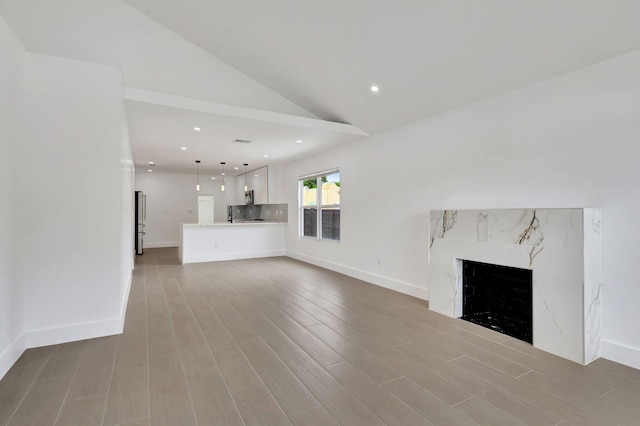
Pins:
<point x="499" y="298"/>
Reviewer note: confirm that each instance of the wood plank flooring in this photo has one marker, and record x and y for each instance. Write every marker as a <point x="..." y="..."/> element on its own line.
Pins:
<point x="280" y="342"/>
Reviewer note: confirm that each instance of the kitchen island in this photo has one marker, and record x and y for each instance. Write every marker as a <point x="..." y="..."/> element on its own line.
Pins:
<point x="228" y="241"/>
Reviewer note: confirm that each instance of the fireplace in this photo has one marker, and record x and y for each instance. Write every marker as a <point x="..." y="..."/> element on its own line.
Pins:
<point x="499" y="298"/>
<point x="559" y="248"/>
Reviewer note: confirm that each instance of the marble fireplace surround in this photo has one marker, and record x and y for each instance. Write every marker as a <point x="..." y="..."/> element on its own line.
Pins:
<point x="560" y="246"/>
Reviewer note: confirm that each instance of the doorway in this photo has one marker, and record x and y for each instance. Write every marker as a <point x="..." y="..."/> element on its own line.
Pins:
<point x="205" y="209"/>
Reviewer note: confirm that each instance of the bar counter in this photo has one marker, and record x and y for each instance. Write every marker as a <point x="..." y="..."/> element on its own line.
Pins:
<point x="228" y="241"/>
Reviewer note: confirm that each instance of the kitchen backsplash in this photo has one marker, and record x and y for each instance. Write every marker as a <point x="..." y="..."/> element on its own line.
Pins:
<point x="261" y="212"/>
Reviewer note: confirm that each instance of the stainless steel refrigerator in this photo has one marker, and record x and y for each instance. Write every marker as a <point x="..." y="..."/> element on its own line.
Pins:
<point x="141" y="217"/>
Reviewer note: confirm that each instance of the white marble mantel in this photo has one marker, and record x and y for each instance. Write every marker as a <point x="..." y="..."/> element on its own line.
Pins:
<point x="560" y="246"/>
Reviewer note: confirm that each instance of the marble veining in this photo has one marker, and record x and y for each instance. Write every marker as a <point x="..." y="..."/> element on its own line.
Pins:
<point x="529" y="230"/>
<point x="592" y="286"/>
<point x="446" y="222"/>
<point x="535" y="250"/>
<point x="560" y="246"/>
<point x="549" y="311"/>
<point x="592" y="345"/>
<point x="482" y="227"/>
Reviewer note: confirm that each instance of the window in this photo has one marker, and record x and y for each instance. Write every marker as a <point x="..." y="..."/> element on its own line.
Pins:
<point x="320" y="205"/>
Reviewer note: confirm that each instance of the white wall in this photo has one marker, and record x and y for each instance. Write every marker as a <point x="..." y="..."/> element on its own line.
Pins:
<point x="11" y="294"/>
<point x="172" y="199"/>
<point x="571" y="141"/>
<point x="127" y="211"/>
<point x="66" y="180"/>
<point x="274" y="185"/>
<point x="74" y="165"/>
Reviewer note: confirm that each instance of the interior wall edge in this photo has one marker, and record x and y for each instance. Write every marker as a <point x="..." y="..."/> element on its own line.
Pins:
<point x="379" y="280"/>
<point x="11" y="354"/>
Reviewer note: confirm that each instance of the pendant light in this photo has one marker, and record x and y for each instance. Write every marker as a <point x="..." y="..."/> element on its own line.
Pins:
<point x="198" y="175"/>
<point x="245" y="177"/>
<point x="222" y="186"/>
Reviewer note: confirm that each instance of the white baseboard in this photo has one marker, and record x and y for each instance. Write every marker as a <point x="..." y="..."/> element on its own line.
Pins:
<point x="10" y="355"/>
<point x="125" y="297"/>
<point x="88" y="330"/>
<point x="379" y="280"/>
<point x="56" y="335"/>
<point x="620" y="353"/>
<point x="64" y="334"/>
<point x="71" y="333"/>
<point x="161" y="244"/>
<point x="231" y="256"/>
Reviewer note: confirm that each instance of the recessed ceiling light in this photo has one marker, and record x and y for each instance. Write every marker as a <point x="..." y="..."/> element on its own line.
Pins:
<point x="298" y="141"/>
<point x="213" y="178"/>
<point x="266" y="156"/>
<point x="257" y="175"/>
<point x="184" y="148"/>
<point x="197" y="129"/>
<point x="149" y="170"/>
<point x="374" y="88"/>
<point x="236" y="168"/>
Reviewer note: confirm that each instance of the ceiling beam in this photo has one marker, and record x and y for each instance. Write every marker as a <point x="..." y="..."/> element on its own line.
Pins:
<point x="158" y="98"/>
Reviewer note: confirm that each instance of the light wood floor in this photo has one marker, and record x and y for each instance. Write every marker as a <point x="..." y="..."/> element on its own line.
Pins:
<point x="279" y="342"/>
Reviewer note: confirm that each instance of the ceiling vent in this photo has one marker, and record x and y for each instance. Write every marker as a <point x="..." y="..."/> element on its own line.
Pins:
<point x="241" y="141"/>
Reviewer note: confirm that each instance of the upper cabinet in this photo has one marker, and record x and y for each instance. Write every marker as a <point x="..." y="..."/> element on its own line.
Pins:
<point x="260" y="180"/>
<point x="256" y="180"/>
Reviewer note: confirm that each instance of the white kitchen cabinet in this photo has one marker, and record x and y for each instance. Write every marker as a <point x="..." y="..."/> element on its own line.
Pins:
<point x="239" y="189"/>
<point x="256" y="180"/>
<point x="260" y="181"/>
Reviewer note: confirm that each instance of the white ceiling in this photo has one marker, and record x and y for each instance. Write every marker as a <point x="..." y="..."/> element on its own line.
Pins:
<point x="315" y="60"/>
<point x="428" y="56"/>
<point x="160" y="132"/>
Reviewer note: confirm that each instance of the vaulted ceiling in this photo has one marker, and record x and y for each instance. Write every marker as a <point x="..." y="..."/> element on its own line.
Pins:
<point x="312" y="62"/>
<point x="427" y="56"/>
